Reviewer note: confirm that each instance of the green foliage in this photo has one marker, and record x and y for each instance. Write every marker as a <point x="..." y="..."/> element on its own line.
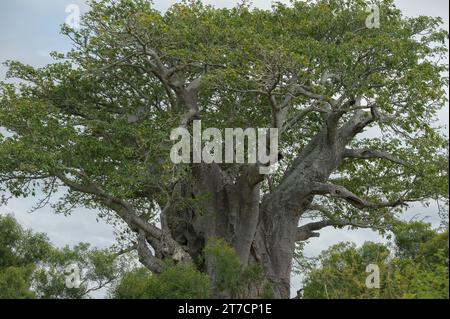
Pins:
<point x="30" y="267"/>
<point x="341" y="272"/>
<point x="19" y="247"/>
<point x="416" y="267"/>
<point x="98" y="119"/>
<point x="15" y="283"/>
<point x="100" y="113"/>
<point x="410" y="238"/>
<point x="230" y="276"/>
<point x="226" y="265"/>
<point x="133" y="285"/>
<point x="98" y="268"/>
<point x="20" y="253"/>
<point x="181" y="281"/>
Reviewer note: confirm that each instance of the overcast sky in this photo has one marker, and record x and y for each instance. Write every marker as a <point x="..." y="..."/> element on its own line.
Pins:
<point x="29" y="30"/>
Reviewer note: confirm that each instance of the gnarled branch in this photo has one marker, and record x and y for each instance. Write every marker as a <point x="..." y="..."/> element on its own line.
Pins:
<point x="307" y="231"/>
<point x="369" y="154"/>
<point x="353" y="199"/>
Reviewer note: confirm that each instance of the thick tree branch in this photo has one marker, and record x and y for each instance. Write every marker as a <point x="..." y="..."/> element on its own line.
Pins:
<point x="369" y="154"/>
<point x="355" y="125"/>
<point x="307" y="231"/>
<point x="145" y="255"/>
<point x="353" y="199"/>
<point x="123" y="208"/>
<point x="162" y="243"/>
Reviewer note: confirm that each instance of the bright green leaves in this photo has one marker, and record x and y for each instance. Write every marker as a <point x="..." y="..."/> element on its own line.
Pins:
<point x="19" y="247"/>
<point x="96" y="269"/>
<point x="183" y="281"/>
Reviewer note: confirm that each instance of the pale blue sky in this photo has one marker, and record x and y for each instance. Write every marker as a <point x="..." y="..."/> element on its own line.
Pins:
<point x="29" y="30"/>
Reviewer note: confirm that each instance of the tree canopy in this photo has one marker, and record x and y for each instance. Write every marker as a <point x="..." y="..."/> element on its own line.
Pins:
<point x="97" y="122"/>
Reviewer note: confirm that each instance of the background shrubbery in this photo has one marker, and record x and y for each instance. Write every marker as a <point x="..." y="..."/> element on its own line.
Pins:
<point x="413" y="265"/>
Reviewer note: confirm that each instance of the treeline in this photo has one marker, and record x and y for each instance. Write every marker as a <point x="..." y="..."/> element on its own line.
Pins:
<point x="414" y="264"/>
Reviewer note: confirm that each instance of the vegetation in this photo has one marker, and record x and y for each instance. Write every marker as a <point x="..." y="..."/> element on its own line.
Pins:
<point x="180" y="281"/>
<point x="97" y="121"/>
<point x="415" y="265"/>
<point x="30" y="267"/>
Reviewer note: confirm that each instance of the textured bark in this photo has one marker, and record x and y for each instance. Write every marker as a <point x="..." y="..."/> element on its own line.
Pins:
<point x="262" y="229"/>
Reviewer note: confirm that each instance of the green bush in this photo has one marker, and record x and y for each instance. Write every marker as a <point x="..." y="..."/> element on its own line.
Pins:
<point x="225" y="262"/>
<point x="415" y="266"/>
<point x="230" y="277"/>
<point x="181" y="281"/>
<point x="184" y="281"/>
<point x="15" y="283"/>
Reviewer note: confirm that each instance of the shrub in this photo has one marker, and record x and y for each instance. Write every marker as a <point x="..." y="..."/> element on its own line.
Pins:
<point x="181" y="281"/>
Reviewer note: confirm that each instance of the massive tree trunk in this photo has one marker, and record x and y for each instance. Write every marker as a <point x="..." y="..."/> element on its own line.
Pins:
<point x="262" y="229"/>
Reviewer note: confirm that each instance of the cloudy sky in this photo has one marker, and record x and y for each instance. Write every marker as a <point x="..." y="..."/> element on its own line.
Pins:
<point x="29" y="30"/>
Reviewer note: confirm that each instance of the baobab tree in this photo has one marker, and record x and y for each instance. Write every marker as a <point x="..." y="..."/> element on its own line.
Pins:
<point x="354" y="106"/>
